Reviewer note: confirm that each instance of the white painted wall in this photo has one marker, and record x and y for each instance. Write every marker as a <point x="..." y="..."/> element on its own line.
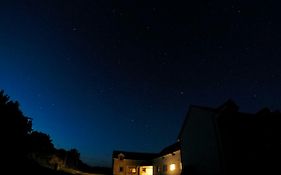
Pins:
<point x="126" y="164"/>
<point x="168" y="160"/>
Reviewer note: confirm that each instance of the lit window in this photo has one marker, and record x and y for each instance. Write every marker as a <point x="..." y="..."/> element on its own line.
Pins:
<point x="132" y="170"/>
<point x="172" y="167"/>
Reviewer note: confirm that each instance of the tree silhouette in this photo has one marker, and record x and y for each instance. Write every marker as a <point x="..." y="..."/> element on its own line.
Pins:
<point x="40" y="142"/>
<point x="62" y="155"/>
<point x="73" y="157"/>
<point x="31" y="150"/>
<point x="15" y="127"/>
<point x="70" y="158"/>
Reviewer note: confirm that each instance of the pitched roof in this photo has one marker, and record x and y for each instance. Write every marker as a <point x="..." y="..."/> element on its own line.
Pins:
<point x="170" y="149"/>
<point x="228" y="106"/>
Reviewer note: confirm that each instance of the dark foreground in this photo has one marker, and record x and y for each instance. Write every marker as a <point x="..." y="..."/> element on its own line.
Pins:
<point x="29" y="167"/>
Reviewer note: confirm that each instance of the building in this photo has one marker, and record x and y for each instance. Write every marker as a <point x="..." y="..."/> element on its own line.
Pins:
<point x="167" y="162"/>
<point x="224" y="141"/>
<point x="131" y="163"/>
<point x="213" y="141"/>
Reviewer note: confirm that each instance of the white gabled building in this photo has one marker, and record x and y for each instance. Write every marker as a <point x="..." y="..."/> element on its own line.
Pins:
<point x="167" y="162"/>
<point x="213" y="141"/>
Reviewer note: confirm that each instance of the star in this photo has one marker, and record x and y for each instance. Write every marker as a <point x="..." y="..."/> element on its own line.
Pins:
<point x="74" y="29"/>
<point x="147" y="27"/>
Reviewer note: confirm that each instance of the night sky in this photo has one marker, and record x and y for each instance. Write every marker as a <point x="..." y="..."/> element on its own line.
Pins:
<point x="101" y="75"/>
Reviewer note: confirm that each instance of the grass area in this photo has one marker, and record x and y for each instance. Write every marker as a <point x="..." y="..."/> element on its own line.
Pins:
<point x="37" y="169"/>
<point x="27" y="166"/>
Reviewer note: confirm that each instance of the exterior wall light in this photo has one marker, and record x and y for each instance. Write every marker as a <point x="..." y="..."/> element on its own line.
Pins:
<point x="172" y="167"/>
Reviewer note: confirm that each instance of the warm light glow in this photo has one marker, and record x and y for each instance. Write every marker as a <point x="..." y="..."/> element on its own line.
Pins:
<point x="134" y="170"/>
<point x="146" y="170"/>
<point x="172" y="167"/>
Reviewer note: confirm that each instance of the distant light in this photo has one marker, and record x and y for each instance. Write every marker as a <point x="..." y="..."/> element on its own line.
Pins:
<point x="172" y="167"/>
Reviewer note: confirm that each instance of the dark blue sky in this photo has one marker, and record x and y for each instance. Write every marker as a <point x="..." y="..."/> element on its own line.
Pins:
<point x="105" y="75"/>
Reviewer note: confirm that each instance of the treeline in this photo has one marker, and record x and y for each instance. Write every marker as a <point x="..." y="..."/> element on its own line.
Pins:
<point x="24" y="146"/>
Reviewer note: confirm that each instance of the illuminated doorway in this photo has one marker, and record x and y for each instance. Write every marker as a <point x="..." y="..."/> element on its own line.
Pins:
<point x="146" y="170"/>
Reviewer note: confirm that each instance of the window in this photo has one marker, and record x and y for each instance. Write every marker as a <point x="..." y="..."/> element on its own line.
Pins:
<point x="132" y="170"/>
<point x="121" y="156"/>
<point x="164" y="168"/>
<point x="172" y="167"/>
<point x="158" y="169"/>
<point x="120" y="169"/>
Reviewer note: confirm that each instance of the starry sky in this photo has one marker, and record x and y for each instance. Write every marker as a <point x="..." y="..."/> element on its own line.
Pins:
<point x="101" y="75"/>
